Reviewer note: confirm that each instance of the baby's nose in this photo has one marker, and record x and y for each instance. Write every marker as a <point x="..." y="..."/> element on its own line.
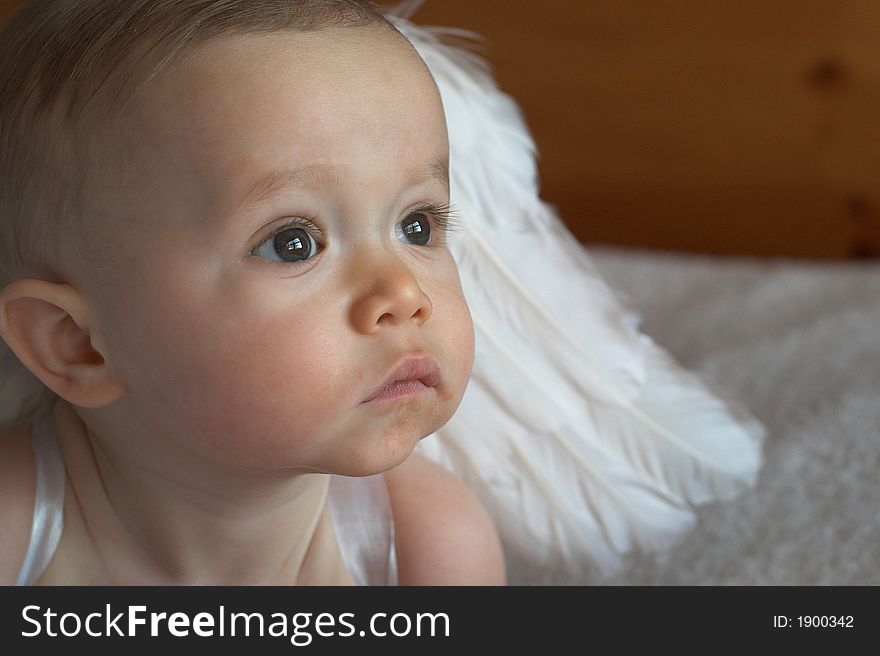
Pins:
<point x="390" y="296"/>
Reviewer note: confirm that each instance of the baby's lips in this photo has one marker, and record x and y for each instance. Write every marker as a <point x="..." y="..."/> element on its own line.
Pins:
<point x="422" y="367"/>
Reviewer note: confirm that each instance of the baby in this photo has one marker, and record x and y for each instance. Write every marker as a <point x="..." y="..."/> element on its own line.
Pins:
<point x="223" y="246"/>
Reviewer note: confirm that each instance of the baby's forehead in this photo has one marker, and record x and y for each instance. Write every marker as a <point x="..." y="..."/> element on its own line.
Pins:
<point x="229" y="64"/>
<point x="245" y="107"/>
<point x="314" y="49"/>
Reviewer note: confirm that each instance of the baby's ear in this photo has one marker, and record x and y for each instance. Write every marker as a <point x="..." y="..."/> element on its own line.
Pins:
<point x="49" y="328"/>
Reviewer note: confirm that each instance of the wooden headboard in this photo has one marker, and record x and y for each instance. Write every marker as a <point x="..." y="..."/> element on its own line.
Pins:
<point x="725" y="128"/>
<point x="732" y="128"/>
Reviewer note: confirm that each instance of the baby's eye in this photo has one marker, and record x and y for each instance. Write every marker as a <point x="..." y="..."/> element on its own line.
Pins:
<point x="416" y="227"/>
<point x="290" y="243"/>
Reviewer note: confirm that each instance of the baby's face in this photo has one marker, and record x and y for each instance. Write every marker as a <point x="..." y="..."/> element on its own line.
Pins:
<point x="248" y="349"/>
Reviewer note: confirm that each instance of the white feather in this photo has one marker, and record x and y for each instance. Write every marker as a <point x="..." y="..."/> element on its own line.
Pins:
<point x="584" y="439"/>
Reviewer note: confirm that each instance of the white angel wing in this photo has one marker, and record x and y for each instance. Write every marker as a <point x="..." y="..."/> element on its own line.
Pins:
<point x="583" y="438"/>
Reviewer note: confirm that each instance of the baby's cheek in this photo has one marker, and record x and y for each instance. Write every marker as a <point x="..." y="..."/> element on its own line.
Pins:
<point x="465" y="335"/>
<point x="266" y="390"/>
<point x="451" y="330"/>
<point x="458" y="328"/>
<point x="238" y="394"/>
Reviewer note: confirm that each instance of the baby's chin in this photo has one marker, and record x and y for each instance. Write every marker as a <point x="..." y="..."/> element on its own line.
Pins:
<point x="367" y="455"/>
<point x="366" y="451"/>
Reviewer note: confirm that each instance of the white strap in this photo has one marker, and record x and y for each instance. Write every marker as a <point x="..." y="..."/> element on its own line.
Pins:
<point x="361" y="512"/>
<point x="49" y="502"/>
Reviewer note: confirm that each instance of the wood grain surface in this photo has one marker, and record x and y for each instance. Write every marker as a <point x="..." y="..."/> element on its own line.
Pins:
<point x="729" y="128"/>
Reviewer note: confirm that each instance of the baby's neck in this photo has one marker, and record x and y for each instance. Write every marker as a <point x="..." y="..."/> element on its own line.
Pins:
<point x="148" y="526"/>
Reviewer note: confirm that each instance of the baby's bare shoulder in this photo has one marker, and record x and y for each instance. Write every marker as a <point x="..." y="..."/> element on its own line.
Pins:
<point x="444" y="535"/>
<point x="17" y="491"/>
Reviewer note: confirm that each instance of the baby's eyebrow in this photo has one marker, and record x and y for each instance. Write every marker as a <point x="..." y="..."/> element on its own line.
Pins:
<point x="322" y="174"/>
<point x="440" y="170"/>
